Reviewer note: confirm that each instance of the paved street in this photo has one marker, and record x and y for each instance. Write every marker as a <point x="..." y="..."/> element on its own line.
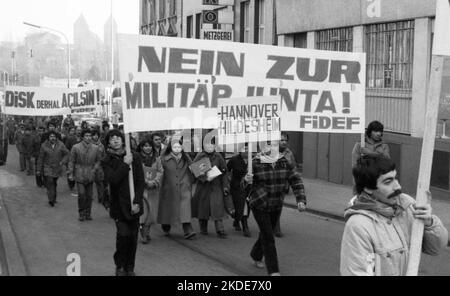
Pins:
<point x="47" y="235"/>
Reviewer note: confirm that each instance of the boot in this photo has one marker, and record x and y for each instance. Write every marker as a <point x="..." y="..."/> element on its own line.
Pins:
<point x="236" y="225"/>
<point x="121" y="271"/>
<point x="203" y="227"/>
<point x="88" y="215"/>
<point x="82" y="216"/>
<point x="245" y="229"/>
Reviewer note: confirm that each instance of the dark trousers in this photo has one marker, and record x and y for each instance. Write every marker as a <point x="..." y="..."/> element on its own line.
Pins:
<point x="126" y="243"/>
<point x="22" y="161"/>
<point x="51" y="183"/>
<point x="100" y="190"/>
<point x="265" y="245"/>
<point x="29" y="164"/>
<point x="11" y="138"/>
<point x="85" y="198"/>
<point x="40" y="180"/>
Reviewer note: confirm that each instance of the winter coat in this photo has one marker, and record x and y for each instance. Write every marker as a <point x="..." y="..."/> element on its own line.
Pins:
<point x="209" y="199"/>
<point x="371" y="147"/>
<point x="175" y="191"/>
<point x="84" y="162"/>
<point x="373" y="244"/>
<point x="116" y="174"/>
<point x="70" y="141"/>
<point x="238" y="168"/>
<point x="51" y="159"/>
<point x="153" y="171"/>
<point x="18" y="136"/>
<point x="28" y="144"/>
<point x="99" y="175"/>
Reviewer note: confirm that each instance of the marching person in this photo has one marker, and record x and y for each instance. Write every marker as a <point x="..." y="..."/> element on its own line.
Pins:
<point x="40" y="182"/>
<point x="70" y="141"/>
<point x="211" y="198"/>
<point x="287" y="153"/>
<point x="374" y="143"/>
<point x="377" y="234"/>
<point x="11" y="128"/>
<point x="237" y="166"/>
<point x="116" y="166"/>
<point x="176" y="189"/>
<point x="271" y="173"/>
<point x="99" y="179"/>
<point x="28" y="150"/>
<point x="52" y="157"/>
<point x="18" y="136"/>
<point x="83" y="164"/>
<point x="153" y="174"/>
<point x="158" y="146"/>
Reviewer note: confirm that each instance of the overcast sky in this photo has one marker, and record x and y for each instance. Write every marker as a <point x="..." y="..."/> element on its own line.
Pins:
<point x="61" y="15"/>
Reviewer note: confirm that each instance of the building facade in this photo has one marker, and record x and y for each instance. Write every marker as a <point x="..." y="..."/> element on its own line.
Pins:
<point x="160" y="17"/>
<point x="396" y="36"/>
<point x="397" y="39"/>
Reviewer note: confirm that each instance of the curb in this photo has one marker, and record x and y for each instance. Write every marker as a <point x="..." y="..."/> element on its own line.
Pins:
<point x="317" y="212"/>
<point x="11" y="261"/>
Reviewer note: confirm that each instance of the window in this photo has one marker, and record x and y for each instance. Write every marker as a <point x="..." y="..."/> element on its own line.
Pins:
<point x="172" y="7"/>
<point x="440" y="170"/>
<point x="189" y="27"/>
<point x="162" y="9"/>
<point x="246" y="13"/>
<point x="198" y="25"/>
<point x="390" y="49"/>
<point x="145" y="10"/>
<point x="335" y="39"/>
<point x="152" y="9"/>
<point x="260" y="19"/>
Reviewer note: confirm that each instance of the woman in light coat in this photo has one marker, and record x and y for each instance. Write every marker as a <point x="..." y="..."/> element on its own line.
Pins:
<point x="176" y="190"/>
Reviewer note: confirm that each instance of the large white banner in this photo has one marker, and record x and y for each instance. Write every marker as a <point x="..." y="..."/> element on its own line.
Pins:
<point x="42" y="101"/>
<point x="175" y="83"/>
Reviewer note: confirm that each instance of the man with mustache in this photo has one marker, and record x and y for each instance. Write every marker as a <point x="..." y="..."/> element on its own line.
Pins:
<point x="378" y="227"/>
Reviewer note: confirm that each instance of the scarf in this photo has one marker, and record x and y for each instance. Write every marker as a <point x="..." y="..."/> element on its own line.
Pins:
<point x="366" y="202"/>
<point x="119" y="152"/>
<point x="270" y="158"/>
<point x="177" y="157"/>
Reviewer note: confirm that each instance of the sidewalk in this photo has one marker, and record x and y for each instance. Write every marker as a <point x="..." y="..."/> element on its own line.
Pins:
<point x="330" y="199"/>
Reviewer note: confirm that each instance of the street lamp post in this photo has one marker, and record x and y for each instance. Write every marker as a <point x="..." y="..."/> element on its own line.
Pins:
<point x="68" y="46"/>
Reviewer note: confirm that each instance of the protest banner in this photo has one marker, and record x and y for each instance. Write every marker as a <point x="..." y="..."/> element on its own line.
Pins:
<point x="41" y="101"/>
<point x="175" y="83"/>
<point x="246" y="120"/>
<point x="441" y="50"/>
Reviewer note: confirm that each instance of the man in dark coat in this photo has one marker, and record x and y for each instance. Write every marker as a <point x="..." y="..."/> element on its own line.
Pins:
<point x="52" y="157"/>
<point x="116" y="166"/>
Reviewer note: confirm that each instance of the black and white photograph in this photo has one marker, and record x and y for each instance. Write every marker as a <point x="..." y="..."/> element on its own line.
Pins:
<point x="219" y="143"/>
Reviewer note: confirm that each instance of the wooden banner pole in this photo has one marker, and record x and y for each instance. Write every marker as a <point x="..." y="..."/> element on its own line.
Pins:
<point x="130" y="174"/>
<point x="426" y="160"/>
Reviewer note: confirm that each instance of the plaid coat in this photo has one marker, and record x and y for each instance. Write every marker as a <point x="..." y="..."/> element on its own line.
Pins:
<point x="270" y="182"/>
